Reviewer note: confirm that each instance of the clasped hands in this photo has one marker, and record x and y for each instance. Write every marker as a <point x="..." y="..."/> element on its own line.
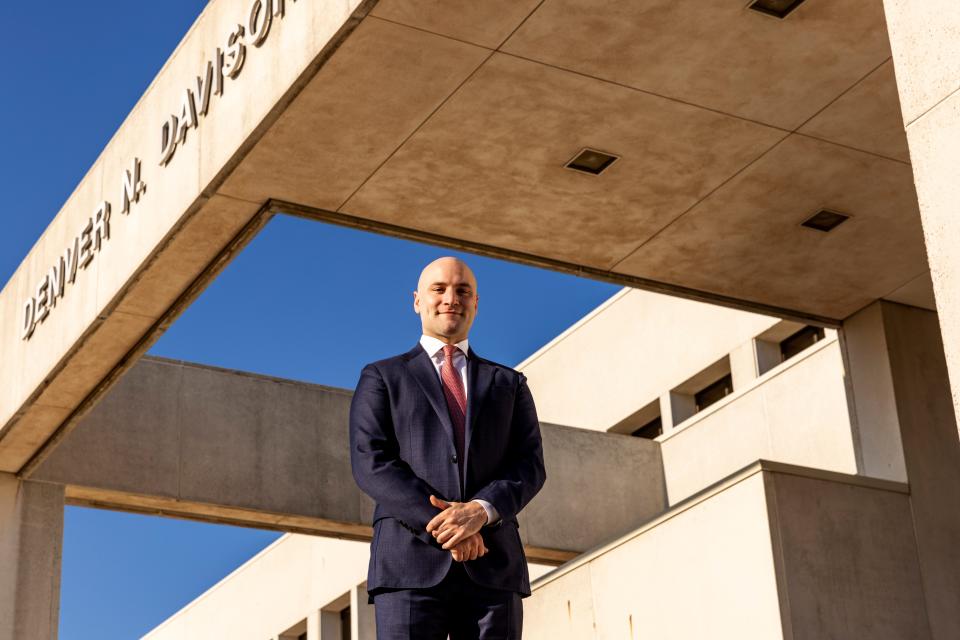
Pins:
<point x="457" y="528"/>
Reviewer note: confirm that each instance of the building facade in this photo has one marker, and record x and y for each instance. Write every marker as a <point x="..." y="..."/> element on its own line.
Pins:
<point x="794" y="159"/>
<point x="747" y="410"/>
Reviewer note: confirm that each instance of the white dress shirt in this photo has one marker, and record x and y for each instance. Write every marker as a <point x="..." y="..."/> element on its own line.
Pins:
<point x="434" y="349"/>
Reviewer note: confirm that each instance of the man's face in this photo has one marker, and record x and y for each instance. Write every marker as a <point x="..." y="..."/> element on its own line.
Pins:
<point x="446" y="300"/>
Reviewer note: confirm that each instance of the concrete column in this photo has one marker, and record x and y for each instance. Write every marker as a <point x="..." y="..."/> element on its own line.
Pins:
<point x="870" y="386"/>
<point x="899" y="380"/>
<point x="31" y="543"/>
<point x="926" y="54"/>
<point x="314" y="630"/>
<point x="743" y="365"/>
<point x="363" y="624"/>
<point x="666" y="412"/>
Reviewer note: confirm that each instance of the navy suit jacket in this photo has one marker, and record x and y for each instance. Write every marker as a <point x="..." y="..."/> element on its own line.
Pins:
<point x="402" y="451"/>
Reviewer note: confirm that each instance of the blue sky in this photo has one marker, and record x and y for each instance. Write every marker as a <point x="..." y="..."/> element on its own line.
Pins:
<point x="304" y="300"/>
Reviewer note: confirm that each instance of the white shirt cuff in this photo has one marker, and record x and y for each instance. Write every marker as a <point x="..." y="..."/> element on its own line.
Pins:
<point x="492" y="515"/>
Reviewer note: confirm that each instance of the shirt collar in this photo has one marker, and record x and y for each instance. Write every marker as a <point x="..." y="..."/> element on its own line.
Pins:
<point x="433" y="346"/>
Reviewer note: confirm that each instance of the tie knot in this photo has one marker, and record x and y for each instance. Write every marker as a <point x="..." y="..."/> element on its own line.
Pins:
<point x="448" y="351"/>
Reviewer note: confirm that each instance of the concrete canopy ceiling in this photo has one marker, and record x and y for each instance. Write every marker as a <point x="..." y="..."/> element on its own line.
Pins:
<point x="732" y="127"/>
<point x="450" y="121"/>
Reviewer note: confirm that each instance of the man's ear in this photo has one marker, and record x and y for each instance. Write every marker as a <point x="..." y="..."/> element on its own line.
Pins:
<point x="416" y="303"/>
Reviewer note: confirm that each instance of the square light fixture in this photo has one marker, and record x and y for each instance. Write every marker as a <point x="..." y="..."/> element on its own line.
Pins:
<point x="591" y="161"/>
<point x="824" y="220"/>
<point x="776" y="8"/>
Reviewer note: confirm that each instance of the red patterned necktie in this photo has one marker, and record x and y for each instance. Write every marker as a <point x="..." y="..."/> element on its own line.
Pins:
<point x="456" y="402"/>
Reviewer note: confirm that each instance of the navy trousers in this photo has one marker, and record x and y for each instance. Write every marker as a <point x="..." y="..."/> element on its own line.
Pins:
<point x="456" y="607"/>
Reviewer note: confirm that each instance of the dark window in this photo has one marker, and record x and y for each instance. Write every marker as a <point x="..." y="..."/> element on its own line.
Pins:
<point x="302" y="636"/>
<point x="806" y="337"/>
<point x="650" y="430"/>
<point x="345" y="624"/>
<point x="716" y="391"/>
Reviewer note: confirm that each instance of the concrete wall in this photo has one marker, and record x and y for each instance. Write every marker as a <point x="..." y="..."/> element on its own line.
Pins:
<point x="926" y="54"/>
<point x="281" y="586"/>
<point x="289" y="585"/>
<point x="181" y="439"/>
<point x="932" y="453"/>
<point x="628" y="352"/>
<point x="638" y="347"/>
<point x="796" y="413"/>
<point x="772" y="552"/>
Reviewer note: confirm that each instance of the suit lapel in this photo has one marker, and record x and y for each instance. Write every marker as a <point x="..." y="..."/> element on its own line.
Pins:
<point x="423" y="371"/>
<point x="479" y="378"/>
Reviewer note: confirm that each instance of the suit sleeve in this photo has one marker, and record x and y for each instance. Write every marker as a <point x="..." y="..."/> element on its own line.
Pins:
<point x="523" y="474"/>
<point x="375" y="459"/>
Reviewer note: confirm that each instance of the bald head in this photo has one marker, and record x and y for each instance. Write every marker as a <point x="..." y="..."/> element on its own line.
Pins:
<point x="446" y="299"/>
<point x="448" y="265"/>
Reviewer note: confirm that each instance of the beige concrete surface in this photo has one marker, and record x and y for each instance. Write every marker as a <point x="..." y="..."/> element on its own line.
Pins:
<point x="290" y="584"/>
<point x="916" y="293"/>
<point x="607" y="370"/>
<point x="933" y="144"/>
<point x="514" y="124"/>
<point x="628" y="352"/>
<point x="796" y="413"/>
<point x="410" y="118"/>
<point x="925" y="46"/>
<point x="672" y="579"/>
<point x="774" y="551"/>
<point x="383" y="82"/>
<point x="272" y="591"/>
<point x="867" y="117"/>
<point x="872" y="394"/>
<point x="932" y="453"/>
<point x="875" y="251"/>
<point x="718" y="55"/>
<point x="484" y="23"/>
<point x="31" y="545"/>
<point x="152" y="254"/>
<point x="923" y="37"/>
<point x="847" y="564"/>
<point x="224" y="446"/>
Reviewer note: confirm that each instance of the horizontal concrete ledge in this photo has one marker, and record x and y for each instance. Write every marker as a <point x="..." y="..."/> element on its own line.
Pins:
<point x="216" y="514"/>
<point x="192" y="441"/>
<point x="760" y="466"/>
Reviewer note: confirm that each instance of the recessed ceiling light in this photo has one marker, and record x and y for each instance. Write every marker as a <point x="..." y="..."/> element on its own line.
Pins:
<point x="824" y="220"/>
<point x="591" y="161"/>
<point x="775" y="8"/>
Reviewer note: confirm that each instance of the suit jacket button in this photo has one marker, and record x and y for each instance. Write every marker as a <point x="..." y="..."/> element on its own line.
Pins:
<point x="453" y="458"/>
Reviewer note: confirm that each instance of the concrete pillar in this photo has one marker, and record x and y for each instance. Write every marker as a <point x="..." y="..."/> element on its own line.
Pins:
<point x="363" y="624"/>
<point x="870" y="386"/>
<point x="666" y="412"/>
<point x="926" y="55"/>
<point x="899" y="381"/>
<point x="743" y="365"/>
<point x="31" y="543"/>
<point x="314" y="630"/>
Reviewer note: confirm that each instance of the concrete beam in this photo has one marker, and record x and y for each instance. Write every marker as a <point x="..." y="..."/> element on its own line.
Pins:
<point x="140" y="265"/>
<point x="332" y="99"/>
<point x="185" y="440"/>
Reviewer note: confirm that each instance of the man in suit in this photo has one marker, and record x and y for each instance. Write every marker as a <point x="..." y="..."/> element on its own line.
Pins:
<point x="448" y="445"/>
